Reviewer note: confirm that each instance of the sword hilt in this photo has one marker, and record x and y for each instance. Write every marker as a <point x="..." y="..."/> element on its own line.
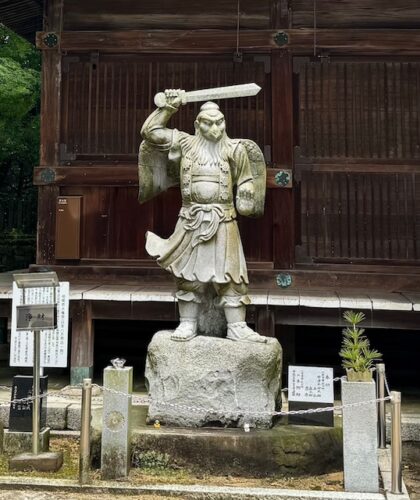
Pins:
<point x="160" y="98"/>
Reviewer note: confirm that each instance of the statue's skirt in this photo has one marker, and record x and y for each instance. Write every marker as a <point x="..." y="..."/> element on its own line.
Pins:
<point x="219" y="259"/>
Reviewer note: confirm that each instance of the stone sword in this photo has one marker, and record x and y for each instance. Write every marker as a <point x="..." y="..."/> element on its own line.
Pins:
<point x="245" y="90"/>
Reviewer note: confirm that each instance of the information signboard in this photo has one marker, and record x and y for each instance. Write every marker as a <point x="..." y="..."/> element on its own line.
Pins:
<point x="311" y="387"/>
<point x="53" y="342"/>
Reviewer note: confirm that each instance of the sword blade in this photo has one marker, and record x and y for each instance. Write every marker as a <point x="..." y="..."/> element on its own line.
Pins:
<point x="245" y="90"/>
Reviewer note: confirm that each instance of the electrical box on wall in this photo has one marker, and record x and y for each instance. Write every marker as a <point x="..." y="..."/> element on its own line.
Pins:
<point x="67" y="229"/>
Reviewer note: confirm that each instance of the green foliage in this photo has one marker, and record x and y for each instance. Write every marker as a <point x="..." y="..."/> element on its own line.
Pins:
<point x="355" y="350"/>
<point x="20" y="66"/>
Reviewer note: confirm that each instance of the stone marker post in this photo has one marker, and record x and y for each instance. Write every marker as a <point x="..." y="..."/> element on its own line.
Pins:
<point x="116" y="425"/>
<point x="360" y="437"/>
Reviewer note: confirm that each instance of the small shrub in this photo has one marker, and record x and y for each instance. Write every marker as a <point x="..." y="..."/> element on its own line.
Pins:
<point x="356" y="353"/>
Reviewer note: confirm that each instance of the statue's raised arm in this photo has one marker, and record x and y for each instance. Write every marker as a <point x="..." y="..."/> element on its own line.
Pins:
<point x="154" y="128"/>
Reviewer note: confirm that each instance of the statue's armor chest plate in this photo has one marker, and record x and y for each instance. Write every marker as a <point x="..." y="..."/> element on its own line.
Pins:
<point x="209" y="182"/>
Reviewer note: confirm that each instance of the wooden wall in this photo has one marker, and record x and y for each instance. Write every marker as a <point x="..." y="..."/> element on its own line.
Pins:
<point x="357" y="156"/>
<point x="339" y="109"/>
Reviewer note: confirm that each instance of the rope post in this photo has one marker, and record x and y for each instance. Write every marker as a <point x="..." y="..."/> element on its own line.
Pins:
<point x="396" y="445"/>
<point x="84" y="461"/>
<point x="36" y="403"/>
<point x="380" y="393"/>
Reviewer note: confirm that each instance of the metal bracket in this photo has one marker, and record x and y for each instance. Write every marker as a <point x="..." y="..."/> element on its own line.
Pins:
<point x="50" y="39"/>
<point x="284" y="280"/>
<point x="47" y="176"/>
<point x="281" y="38"/>
<point x="284" y="178"/>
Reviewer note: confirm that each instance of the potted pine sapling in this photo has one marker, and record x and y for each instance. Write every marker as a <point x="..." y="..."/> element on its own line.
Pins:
<point x="357" y="356"/>
<point x="358" y="394"/>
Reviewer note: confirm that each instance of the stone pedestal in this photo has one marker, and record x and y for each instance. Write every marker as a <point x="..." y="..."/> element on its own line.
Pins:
<point x="116" y="425"/>
<point x="43" y="462"/>
<point x="20" y="442"/>
<point x="360" y="438"/>
<point x="213" y="381"/>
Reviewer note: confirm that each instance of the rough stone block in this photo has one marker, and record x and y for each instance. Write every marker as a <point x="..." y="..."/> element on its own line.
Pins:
<point x="21" y="442"/>
<point x="116" y="427"/>
<point x="4" y="414"/>
<point x="360" y="438"/>
<point x="74" y="415"/>
<point x="43" y="462"/>
<point x="57" y="415"/>
<point x="213" y="381"/>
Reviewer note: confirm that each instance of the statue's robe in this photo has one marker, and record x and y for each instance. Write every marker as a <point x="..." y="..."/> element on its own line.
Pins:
<point x="206" y="244"/>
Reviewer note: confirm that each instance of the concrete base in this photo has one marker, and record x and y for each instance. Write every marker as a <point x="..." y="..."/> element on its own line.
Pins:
<point x="21" y="442"/>
<point x="283" y="450"/>
<point x="43" y="462"/>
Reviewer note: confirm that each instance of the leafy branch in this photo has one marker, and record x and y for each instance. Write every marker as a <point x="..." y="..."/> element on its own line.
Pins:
<point x="356" y="352"/>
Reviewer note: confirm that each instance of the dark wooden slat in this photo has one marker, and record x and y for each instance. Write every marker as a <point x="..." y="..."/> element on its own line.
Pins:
<point x="363" y="41"/>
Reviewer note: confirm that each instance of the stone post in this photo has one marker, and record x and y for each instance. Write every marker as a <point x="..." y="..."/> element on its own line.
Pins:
<point x="116" y="425"/>
<point x="360" y="437"/>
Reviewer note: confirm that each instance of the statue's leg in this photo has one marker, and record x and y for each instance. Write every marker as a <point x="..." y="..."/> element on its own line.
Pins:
<point x="189" y="298"/>
<point x="234" y="298"/>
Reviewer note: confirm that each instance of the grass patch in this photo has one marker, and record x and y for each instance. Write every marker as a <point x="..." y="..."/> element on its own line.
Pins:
<point x="69" y="470"/>
<point x="158" y="468"/>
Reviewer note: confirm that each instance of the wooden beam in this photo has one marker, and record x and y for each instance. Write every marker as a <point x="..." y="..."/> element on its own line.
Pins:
<point x="298" y="41"/>
<point x="282" y="141"/>
<point x="82" y="340"/>
<point x="106" y="175"/>
<point x="50" y="136"/>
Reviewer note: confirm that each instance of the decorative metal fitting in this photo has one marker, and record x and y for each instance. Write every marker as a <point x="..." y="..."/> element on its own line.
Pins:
<point x="47" y="176"/>
<point x="50" y="40"/>
<point x="282" y="178"/>
<point x="281" y="38"/>
<point x="283" y="280"/>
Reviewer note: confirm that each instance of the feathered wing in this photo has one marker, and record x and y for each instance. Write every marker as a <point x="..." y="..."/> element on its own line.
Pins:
<point x="157" y="172"/>
<point x="259" y="173"/>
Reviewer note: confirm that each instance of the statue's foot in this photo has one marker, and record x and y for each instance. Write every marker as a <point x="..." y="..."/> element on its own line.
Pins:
<point x="241" y="332"/>
<point x="186" y="330"/>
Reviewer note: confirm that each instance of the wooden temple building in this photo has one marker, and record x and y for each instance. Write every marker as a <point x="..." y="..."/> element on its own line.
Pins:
<point x="338" y="120"/>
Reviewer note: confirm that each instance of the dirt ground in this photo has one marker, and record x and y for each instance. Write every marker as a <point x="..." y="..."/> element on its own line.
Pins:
<point x="411" y="469"/>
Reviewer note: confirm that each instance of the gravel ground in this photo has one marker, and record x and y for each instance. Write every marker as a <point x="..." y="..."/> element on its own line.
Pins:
<point x="411" y="469"/>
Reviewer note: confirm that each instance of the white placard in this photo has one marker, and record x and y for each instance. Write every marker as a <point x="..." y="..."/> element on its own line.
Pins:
<point x="53" y="342"/>
<point x="311" y="384"/>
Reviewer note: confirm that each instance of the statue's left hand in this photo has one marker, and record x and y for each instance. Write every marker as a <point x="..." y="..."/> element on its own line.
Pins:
<point x="245" y="198"/>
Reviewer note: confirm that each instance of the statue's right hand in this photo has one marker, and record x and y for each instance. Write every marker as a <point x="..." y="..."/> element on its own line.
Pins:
<point x="171" y="97"/>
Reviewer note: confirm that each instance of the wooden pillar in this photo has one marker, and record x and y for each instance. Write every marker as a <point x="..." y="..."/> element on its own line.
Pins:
<point x="82" y="341"/>
<point x="265" y="323"/>
<point x="282" y="127"/>
<point x="286" y="336"/>
<point x="50" y="133"/>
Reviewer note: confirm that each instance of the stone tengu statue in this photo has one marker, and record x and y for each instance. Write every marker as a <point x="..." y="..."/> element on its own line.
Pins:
<point x="205" y="249"/>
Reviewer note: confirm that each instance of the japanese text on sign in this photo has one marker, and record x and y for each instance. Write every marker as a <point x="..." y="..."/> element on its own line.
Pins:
<point x="53" y="342"/>
<point x="311" y="384"/>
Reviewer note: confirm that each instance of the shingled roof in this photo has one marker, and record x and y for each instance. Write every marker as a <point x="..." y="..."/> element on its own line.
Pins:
<point x="22" y="16"/>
